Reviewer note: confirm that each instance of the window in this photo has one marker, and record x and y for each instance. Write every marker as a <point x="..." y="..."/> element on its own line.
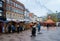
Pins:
<point x="20" y="11"/>
<point x="10" y="8"/>
<point x="0" y="10"/>
<point x="21" y="7"/>
<point x="18" y="6"/>
<point x="14" y="4"/>
<point x="14" y="9"/>
<point x="0" y="14"/>
<point x="0" y="4"/>
<point x="7" y="1"/>
<point x="7" y="8"/>
<point x="11" y="3"/>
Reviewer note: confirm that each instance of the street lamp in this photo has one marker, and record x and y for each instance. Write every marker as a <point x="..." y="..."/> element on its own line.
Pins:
<point x="57" y="16"/>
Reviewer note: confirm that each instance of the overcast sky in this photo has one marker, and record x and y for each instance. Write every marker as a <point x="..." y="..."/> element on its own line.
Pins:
<point x="41" y="7"/>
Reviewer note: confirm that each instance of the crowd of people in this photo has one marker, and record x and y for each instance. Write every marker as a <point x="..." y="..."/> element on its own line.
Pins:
<point x="34" y="26"/>
<point x="38" y="25"/>
<point x="10" y="27"/>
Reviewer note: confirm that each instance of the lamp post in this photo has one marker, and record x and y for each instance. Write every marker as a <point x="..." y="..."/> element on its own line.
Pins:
<point x="57" y="16"/>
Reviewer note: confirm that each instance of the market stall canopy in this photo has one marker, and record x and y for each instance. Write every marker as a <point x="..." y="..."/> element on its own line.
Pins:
<point x="26" y="20"/>
<point x="49" y="21"/>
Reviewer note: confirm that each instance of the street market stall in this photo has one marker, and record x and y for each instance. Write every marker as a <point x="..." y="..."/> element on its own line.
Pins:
<point x="50" y="22"/>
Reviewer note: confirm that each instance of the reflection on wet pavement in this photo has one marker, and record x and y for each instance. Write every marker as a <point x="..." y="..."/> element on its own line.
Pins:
<point x="53" y="34"/>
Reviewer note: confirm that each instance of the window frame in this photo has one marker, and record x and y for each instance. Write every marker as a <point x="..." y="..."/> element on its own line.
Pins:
<point x="1" y="13"/>
<point x="1" y="3"/>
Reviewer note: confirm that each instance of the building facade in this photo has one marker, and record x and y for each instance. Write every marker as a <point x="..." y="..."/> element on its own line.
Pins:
<point x="40" y="19"/>
<point x="14" y="10"/>
<point x="33" y="17"/>
<point x="27" y="18"/>
<point x="2" y="10"/>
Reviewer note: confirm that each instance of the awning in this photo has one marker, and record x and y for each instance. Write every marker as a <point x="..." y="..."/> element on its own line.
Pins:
<point x="26" y="20"/>
<point x="16" y="20"/>
<point x="49" y="21"/>
<point x="20" y="20"/>
<point x="8" y="19"/>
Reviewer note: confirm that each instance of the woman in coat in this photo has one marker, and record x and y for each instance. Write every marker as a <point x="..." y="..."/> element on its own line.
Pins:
<point x="34" y="30"/>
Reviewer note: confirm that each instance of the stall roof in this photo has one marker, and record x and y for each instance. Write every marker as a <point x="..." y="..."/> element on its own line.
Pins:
<point x="49" y="21"/>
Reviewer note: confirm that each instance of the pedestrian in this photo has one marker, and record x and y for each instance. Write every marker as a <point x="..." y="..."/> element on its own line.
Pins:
<point x="39" y="27"/>
<point x="21" y="28"/>
<point x="13" y="28"/>
<point x="48" y="26"/>
<point x="9" y="28"/>
<point x="34" y="30"/>
<point x="1" y="27"/>
<point x="18" y="28"/>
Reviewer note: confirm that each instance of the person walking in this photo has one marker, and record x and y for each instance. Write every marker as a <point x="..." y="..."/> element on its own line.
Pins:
<point x="34" y="30"/>
<point x="1" y="27"/>
<point x="9" y="28"/>
<point x="18" y="28"/>
<point x="39" y="27"/>
<point x="48" y="26"/>
<point x="13" y="28"/>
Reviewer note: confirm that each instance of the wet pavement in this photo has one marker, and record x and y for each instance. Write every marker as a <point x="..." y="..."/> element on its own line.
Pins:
<point x="53" y="34"/>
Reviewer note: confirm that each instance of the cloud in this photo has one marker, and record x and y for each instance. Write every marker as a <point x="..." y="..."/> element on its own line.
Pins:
<point x="54" y="5"/>
<point x="36" y="7"/>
